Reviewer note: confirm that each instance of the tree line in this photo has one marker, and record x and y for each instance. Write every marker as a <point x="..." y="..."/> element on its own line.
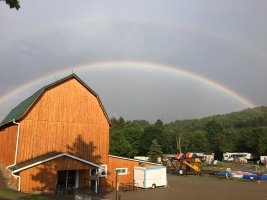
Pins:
<point x="244" y="131"/>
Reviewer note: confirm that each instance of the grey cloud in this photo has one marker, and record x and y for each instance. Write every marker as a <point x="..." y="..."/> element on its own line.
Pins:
<point x="222" y="40"/>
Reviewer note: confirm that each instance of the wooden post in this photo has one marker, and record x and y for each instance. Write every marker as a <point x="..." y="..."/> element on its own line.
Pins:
<point x="116" y="185"/>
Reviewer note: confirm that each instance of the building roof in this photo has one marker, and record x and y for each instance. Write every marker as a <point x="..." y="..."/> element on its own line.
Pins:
<point x="20" y="110"/>
<point x="45" y="158"/>
<point x="132" y="159"/>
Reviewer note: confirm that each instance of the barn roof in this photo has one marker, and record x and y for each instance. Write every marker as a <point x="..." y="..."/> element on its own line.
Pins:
<point x="131" y="159"/>
<point x="20" y="110"/>
<point x="45" y="158"/>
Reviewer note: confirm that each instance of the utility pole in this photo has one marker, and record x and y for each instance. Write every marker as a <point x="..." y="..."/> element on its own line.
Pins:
<point x="178" y="143"/>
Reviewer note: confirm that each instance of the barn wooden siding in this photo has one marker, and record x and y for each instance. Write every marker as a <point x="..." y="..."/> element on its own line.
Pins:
<point x="44" y="176"/>
<point x="84" y="176"/>
<point x="66" y="118"/>
<point x="8" y="137"/>
<point x="122" y="163"/>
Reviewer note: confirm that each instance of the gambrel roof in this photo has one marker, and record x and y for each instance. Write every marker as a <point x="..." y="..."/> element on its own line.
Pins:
<point x="20" y="110"/>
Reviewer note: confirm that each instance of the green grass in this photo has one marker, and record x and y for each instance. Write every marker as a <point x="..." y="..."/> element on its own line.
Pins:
<point x="14" y="195"/>
<point x="9" y="194"/>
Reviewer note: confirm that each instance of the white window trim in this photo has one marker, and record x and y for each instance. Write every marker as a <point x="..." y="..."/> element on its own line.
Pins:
<point x="105" y="169"/>
<point x="126" y="170"/>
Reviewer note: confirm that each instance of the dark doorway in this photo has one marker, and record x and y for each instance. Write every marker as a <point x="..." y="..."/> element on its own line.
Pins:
<point x="66" y="179"/>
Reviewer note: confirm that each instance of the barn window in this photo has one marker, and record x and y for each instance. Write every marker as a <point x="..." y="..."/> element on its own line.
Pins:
<point x="103" y="171"/>
<point x="122" y="171"/>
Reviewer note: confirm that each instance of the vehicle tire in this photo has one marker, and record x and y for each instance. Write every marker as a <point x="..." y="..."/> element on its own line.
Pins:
<point x="153" y="186"/>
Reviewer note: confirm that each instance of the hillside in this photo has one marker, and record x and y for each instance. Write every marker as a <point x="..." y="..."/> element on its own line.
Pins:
<point x="243" y="131"/>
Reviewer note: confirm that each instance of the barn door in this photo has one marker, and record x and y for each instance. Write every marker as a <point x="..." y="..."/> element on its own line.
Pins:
<point x="66" y="179"/>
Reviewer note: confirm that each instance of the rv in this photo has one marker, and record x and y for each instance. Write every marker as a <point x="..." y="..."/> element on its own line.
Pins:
<point x="237" y="157"/>
<point x="209" y="158"/>
<point x="263" y="159"/>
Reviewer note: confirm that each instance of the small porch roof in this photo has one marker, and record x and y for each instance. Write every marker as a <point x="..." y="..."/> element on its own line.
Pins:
<point x="45" y="158"/>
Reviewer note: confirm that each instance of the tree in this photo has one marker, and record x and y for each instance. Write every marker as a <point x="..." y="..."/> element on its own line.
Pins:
<point x="154" y="151"/>
<point x="132" y="133"/>
<point x="214" y="135"/>
<point x="119" y="146"/>
<point x="199" y="142"/>
<point x="117" y="123"/>
<point x="262" y="148"/>
<point x="12" y="3"/>
<point x="244" y="131"/>
<point x="154" y="131"/>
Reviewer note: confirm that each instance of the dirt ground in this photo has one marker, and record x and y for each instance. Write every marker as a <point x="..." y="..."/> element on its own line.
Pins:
<point x="197" y="187"/>
<point x="190" y="187"/>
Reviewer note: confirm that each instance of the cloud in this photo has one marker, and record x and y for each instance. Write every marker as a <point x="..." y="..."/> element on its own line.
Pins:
<point x="222" y="41"/>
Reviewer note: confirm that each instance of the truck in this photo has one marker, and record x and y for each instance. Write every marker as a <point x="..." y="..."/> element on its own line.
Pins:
<point x="150" y="177"/>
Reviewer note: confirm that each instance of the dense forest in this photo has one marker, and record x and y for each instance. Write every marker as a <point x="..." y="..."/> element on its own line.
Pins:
<point x="244" y="131"/>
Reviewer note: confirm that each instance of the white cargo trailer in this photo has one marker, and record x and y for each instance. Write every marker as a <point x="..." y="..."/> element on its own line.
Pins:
<point x="150" y="177"/>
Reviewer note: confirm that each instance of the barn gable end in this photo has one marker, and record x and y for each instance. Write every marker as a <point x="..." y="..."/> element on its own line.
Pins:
<point x="66" y="116"/>
<point x="61" y="130"/>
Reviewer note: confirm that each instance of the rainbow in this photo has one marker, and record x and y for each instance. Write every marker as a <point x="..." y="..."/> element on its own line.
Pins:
<point x="140" y="66"/>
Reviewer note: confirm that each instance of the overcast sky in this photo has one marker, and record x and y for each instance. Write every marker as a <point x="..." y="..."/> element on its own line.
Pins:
<point x="224" y="41"/>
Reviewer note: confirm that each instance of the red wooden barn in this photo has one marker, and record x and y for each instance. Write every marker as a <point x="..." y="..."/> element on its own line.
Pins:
<point x="59" y="138"/>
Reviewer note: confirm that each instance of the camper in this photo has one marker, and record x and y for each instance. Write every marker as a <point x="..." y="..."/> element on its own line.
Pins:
<point x="209" y="158"/>
<point x="237" y="156"/>
<point x="263" y="159"/>
<point x="150" y="177"/>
